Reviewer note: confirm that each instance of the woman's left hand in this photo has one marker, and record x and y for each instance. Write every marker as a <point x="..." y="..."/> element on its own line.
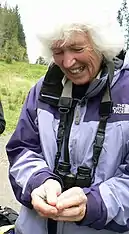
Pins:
<point x="71" y="205"/>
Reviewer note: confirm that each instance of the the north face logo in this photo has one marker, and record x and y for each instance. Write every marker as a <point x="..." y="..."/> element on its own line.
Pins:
<point x="121" y="109"/>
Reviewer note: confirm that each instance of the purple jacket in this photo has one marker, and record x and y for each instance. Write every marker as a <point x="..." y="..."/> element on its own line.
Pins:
<point x="32" y="148"/>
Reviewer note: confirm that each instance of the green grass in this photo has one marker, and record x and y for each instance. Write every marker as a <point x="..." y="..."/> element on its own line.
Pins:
<point x="15" y="81"/>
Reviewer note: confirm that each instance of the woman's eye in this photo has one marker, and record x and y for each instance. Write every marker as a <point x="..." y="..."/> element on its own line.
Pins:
<point x="57" y="52"/>
<point x="78" y="49"/>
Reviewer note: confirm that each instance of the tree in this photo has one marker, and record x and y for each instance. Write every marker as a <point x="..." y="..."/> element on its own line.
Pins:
<point x="41" y="61"/>
<point x="120" y="17"/>
<point x="21" y="34"/>
<point x="12" y="37"/>
<point x="123" y="19"/>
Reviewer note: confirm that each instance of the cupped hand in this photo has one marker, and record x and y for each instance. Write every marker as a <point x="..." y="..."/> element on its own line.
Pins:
<point x="71" y="205"/>
<point x="44" y="198"/>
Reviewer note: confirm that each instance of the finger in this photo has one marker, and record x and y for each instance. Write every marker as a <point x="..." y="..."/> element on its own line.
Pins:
<point x="73" y="211"/>
<point x="41" y="206"/>
<point x="71" y="198"/>
<point x="71" y="214"/>
<point x="52" y="192"/>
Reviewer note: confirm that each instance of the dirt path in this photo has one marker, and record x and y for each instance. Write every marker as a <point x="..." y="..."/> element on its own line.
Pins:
<point x="6" y="195"/>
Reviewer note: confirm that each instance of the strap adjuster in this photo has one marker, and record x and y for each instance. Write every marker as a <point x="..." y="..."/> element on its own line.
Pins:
<point x="105" y="108"/>
<point x="99" y="140"/>
<point x="65" y="102"/>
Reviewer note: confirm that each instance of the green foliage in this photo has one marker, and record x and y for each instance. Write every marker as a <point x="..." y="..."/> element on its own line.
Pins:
<point x="12" y="37"/>
<point x="16" y="79"/>
<point x="21" y="35"/>
<point x="41" y="61"/>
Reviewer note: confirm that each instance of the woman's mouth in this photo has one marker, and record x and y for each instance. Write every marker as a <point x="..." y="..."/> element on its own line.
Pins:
<point x="77" y="70"/>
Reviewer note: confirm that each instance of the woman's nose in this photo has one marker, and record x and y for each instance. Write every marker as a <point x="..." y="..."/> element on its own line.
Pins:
<point x="68" y="59"/>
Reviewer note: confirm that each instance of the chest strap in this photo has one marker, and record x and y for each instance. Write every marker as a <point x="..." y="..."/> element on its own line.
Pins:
<point x="65" y="105"/>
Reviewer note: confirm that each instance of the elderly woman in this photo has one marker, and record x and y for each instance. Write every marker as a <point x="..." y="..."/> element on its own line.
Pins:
<point x="69" y="153"/>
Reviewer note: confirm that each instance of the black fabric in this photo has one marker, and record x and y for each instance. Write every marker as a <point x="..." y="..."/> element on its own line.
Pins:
<point x="121" y="55"/>
<point x="67" y="133"/>
<point x="60" y="137"/>
<point x="2" y="120"/>
<point x="79" y="91"/>
<point x="52" y="85"/>
<point x="52" y="226"/>
<point x="8" y="216"/>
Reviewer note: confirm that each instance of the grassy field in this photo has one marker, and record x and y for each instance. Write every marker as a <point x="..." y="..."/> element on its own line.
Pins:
<point x="15" y="81"/>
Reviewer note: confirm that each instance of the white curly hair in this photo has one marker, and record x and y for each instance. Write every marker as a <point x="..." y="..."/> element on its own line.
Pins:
<point x="63" y="17"/>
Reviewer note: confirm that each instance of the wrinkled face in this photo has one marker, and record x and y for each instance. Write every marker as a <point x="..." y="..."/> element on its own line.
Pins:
<point x="76" y="57"/>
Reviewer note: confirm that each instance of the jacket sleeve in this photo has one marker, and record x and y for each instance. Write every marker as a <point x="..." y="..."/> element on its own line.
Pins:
<point x="108" y="202"/>
<point x="2" y="120"/>
<point x="28" y="169"/>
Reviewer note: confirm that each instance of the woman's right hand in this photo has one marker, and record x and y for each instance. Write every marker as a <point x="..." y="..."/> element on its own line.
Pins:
<point x="44" y="198"/>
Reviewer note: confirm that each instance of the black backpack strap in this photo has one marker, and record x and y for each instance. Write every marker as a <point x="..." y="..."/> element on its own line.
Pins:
<point x="60" y="136"/>
<point x="104" y="111"/>
<point x="65" y="105"/>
